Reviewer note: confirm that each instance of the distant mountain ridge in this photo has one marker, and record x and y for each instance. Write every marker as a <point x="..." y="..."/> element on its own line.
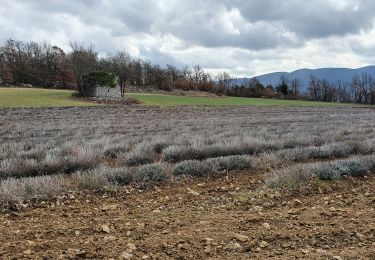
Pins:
<point x="331" y="74"/>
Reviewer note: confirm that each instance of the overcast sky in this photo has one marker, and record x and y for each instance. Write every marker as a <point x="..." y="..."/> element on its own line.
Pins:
<point x="244" y="37"/>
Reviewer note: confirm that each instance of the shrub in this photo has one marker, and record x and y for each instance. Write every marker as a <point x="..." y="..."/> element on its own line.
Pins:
<point x="338" y="150"/>
<point x="130" y="101"/>
<point x="296" y="175"/>
<point x="137" y="159"/>
<point x="290" y="177"/>
<point x="361" y="147"/>
<point x="213" y="165"/>
<point x="249" y="146"/>
<point x="43" y="186"/>
<point x="332" y="150"/>
<point x="176" y="153"/>
<point x="191" y="167"/>
<point x="335" y="170"/>
<point x="53" y="163"/>
<point x="296" y="154"/>
<point x="350" y="167"/>
<point x="83" y="161"/>
<point x="95" y="179"/>
<point x="18" y="168"/>
<point x="140" y="155"/>
<point x="234" y="162"/>
<point x="37" y="155"/>
<point x="159" y="147"/>
<point x="369" y="163"/>
<point x="18" y="190"/>
<point x="267" y="160"/>
<point x="120" y="177"/>
<point x="150" y="173"/>
<point x="114" y="152"/>
<point x="326" y="173"/>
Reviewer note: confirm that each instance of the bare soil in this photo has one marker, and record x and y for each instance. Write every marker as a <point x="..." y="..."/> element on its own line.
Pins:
<point x="235" y="217"/>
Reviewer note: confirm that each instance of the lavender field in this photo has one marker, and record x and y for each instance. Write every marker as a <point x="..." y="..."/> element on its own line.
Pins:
<point x="47" y="152"/>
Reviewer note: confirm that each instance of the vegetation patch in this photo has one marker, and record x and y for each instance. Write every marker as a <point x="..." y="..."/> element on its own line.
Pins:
<point x="301" y="174"/>
<point x="35" y="97"/>
<point x="213" y="166"/>
<point x="151" y="173"/>
<point x="102" y="148"/>
<point x="170" y="100"/>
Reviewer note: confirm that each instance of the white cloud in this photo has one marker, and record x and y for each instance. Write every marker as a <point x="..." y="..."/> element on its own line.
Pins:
<point x="244" y="37"/>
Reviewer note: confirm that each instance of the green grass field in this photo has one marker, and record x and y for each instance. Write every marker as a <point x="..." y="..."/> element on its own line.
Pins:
<point x="169" y="100"/>
<point x="38" y="97"/>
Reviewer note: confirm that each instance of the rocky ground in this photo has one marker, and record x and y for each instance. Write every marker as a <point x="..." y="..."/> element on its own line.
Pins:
<point x="231" y="218"/>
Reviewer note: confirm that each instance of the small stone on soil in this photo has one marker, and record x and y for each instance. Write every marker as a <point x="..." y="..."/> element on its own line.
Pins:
<point x="131" y="247"/>
<point x="126" y="256"/>
<point x="241" y="238"/>
<point x="263" y="244"/>
<point x="191" y="191"/>
<point x="321" y="251"/>
<point x="233" y="246"/>
<point x="105" y="228"/>
<point x="266" y="226"/>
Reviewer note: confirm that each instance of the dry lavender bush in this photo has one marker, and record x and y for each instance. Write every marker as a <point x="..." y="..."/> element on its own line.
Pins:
<point x="99" y="147"/>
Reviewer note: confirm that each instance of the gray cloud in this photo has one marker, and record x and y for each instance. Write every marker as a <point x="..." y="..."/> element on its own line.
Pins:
<point x="235" y="35"/>
<point x="313" y="19"/>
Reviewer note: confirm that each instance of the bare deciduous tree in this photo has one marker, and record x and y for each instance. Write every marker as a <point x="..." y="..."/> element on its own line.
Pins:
<point x="295" y="87"/>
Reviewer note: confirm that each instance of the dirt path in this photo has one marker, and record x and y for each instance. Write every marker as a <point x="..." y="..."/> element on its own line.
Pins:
<point x="229" y="218"/>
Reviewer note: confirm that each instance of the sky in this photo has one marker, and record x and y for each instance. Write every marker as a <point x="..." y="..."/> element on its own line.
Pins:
<point x="242" y="37"/>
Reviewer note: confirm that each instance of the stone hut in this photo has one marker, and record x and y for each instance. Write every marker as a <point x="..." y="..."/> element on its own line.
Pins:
<point x="108" y="92"/>
<point x="100" y="85"/>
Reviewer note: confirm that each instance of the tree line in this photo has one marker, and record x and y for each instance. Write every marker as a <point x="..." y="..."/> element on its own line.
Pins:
<point x="43" y="64"/>
<point x="361" y="89"/>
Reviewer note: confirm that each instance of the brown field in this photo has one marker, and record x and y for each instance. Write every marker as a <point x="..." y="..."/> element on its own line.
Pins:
<point x="187" y="182"/>
<point x="174" y="222"/>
